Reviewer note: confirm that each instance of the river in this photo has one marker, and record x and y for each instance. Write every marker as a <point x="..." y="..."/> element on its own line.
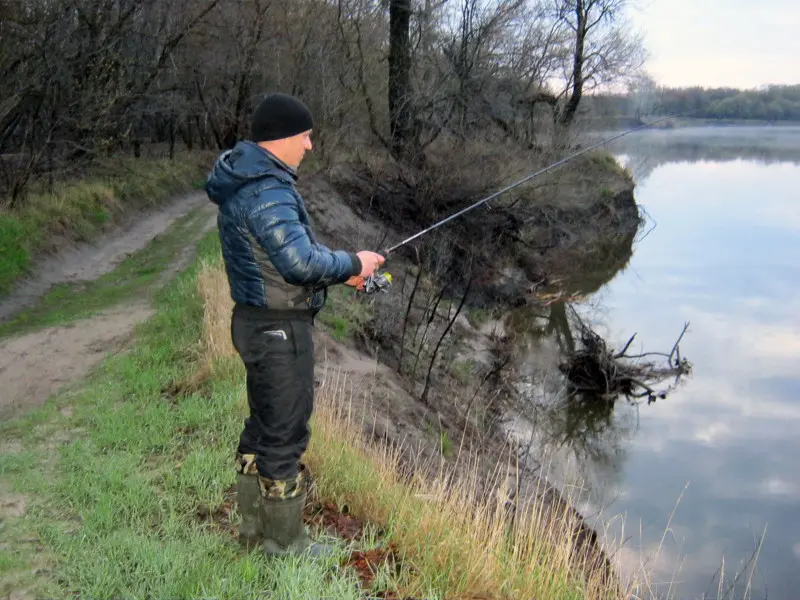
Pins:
<point x="708" y="476"/>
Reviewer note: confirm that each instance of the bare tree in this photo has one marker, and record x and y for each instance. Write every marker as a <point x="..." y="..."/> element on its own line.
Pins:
<point x="474" y="49"/>
<point x="354" y="21"/>
<point x="451" y="319"/>
<point x="80" y="76"/>
<point x="602" y="50"/>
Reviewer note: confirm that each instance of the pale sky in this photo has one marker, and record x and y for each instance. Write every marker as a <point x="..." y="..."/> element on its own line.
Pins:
<point x="715" y="43"/>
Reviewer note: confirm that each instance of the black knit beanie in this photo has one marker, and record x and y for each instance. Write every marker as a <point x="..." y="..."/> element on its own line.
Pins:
<point x="280" y="116"/>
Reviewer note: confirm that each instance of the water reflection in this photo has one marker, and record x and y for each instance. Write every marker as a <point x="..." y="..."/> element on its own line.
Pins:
<point x="724" y="448"/>
<point x="649" y="149"/>
<point x="558" y="327"/>
<point x="578" y="437"/>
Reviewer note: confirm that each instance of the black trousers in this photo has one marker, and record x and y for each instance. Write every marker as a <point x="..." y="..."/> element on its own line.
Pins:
<point x="278" y="353"/>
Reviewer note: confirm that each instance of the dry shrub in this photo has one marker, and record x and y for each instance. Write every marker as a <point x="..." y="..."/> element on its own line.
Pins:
<point x="216" y="353"/>
<point x="212" y="283"/>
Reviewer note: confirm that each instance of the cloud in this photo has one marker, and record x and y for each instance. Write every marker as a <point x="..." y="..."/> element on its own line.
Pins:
<point x="780" y="488"/>
<point x="714" y="432"/>
<point x="737" y="344"/>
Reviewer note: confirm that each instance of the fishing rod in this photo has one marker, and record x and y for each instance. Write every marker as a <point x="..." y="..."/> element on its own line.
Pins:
<point x="382" y="281"/>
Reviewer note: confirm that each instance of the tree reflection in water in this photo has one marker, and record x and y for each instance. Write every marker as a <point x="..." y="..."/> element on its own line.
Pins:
<point x="578" y="436"/>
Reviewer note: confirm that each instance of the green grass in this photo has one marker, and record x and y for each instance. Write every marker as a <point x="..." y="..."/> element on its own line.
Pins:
<point x="463" y="370"/>
<point x="345" y="313"/>
<point x="115" y="486"/>
<point x="67" y="302"/>
<point x="601" y="166"/>
<point x="113" y="489"/>
<point x="79" y="210"/>
<point x="15" y="237"/>
<point x="477" y="316"/>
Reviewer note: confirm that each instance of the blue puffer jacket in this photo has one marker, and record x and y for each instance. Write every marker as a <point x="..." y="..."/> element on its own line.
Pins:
<point x="271" y="256"/>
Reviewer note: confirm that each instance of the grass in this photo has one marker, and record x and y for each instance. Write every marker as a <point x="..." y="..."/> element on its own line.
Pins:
<point x="462" y="370"/>
<point x="477" y="316"/>
<point x="68" y="302"/>
<point x="79" y="210"/>
<point x="460" y="547"/>
<point x="442" y="439"/>
<point x="115" y="493"/>
<point x="345" y="314"/>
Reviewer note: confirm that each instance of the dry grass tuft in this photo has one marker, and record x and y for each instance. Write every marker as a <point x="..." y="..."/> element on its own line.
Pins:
<point x="215" y="292"/>
<point x="461" y="541"/>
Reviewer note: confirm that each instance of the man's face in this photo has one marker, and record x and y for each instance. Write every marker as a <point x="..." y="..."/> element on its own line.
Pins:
<point x="295" y="148"/>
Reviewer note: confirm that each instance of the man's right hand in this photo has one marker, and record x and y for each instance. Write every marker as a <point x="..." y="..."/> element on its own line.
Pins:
<point x="369" y="262"/>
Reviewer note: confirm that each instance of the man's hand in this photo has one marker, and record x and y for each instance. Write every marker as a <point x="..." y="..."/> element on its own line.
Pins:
<point x="356" y="281"/>
<point x="369" y="262"/>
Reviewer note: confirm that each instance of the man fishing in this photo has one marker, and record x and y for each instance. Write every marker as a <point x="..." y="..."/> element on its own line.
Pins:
<point x="278" y="275"/>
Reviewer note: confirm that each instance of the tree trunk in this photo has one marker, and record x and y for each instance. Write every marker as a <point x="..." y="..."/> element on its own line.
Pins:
<point x="568" y="114"/>
<point x="400" y="77"/>
<point x="188" y="134"/>
<point x="405" y="320"/>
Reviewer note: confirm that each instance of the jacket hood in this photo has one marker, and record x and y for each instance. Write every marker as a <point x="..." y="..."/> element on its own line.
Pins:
<point x="244" y="163"/>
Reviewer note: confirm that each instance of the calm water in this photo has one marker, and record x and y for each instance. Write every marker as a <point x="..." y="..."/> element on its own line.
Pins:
<point x="723" y="451"/>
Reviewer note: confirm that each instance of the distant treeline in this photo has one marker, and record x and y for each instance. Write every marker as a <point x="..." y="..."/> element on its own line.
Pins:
<point x="773" y="103"/>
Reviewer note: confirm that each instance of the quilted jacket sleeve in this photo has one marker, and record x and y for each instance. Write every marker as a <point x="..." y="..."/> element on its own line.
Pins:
<point x="275" y="224"/>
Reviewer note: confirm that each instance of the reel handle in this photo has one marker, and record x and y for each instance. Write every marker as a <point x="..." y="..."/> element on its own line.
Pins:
<point x="378" y="282"/>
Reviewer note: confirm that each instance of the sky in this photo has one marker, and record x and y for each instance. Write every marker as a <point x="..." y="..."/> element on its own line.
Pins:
<point x="715" y="43"/>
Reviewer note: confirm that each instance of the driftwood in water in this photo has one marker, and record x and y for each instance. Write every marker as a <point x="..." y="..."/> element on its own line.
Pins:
<point x="594" y="368"/>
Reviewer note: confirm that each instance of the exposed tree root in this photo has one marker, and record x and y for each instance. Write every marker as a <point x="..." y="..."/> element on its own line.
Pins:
<point x="594" y="368"/>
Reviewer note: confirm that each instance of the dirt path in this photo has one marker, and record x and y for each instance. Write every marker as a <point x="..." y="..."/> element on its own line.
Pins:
<point x="34" y="366"/>
<point x="89" y="261"/>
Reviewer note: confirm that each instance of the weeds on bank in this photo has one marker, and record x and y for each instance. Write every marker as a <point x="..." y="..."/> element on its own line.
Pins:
<point x="115" y="493"/>
<point x="345" y="315"/>
<point x="460" y="545"/>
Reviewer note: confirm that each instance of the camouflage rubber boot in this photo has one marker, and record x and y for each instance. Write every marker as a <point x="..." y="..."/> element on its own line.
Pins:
<point x="248" y="497"/>
<point x="282" y="518"/>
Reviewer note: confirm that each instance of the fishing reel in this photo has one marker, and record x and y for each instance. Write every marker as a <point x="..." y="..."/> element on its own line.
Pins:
<point x="377" y="282"/>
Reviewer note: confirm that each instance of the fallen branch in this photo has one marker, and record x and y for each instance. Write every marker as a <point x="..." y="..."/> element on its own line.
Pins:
<point x="595" y="369"/>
